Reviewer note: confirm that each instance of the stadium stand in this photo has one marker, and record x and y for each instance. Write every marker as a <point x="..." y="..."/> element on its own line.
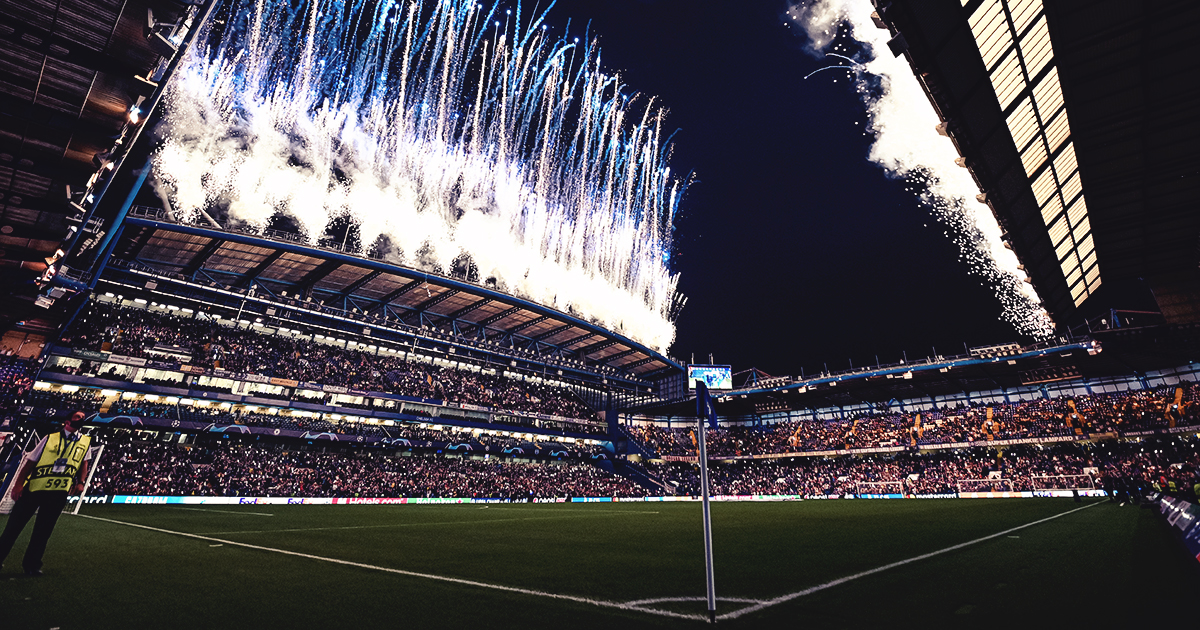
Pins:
<point x="1170" y="465"/>
<point x="142" y="463"/>
<point x="16" y="379"/>
<point x="1128" y="444"/>
<point x="140" y="467"/>
<point x="146" y="334"/>
<point x="1032" y="420"/>
<point x="44" y="403"/>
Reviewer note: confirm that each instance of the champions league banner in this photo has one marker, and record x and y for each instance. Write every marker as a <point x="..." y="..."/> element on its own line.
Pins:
<point x="159" y="424"/>
<point x="377" y="440"/>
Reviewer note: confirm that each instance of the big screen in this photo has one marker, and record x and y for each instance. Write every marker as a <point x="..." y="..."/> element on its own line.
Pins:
<point x="714" y="376"/>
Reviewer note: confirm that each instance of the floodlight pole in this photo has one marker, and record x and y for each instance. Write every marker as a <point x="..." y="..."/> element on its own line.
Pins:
<point x="705" y="491"/>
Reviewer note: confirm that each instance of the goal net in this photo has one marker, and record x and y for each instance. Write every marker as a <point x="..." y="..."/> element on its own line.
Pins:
<point x="879" y="487"/>
<point x="1063" y="482"/>
<point x="995" y="484"/>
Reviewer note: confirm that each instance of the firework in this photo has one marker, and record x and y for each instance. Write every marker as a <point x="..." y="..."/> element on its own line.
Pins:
<point x="449" y="134"/>
<point x="907" y="146"/>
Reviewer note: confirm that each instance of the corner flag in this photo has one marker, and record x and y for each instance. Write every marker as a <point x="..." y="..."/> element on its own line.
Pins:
<point x="706" y="409"/>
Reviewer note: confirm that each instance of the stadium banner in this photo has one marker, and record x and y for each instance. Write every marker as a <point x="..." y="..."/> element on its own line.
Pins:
<point x="91" y="355"/>
<point x="378" y="439"/>
<point x="169" y="500"/>
<point x="1162" y="431"/>
<point x="285" y="382"/>
<point x="124" y="360"/>
<point x="256" y="378"/>
<point x="162" y="365"/>
<point x="1083" y="492"/>
<point x="260" y="400"/>
<point x="1180" y="514"/>
<point x="334" y="389"/>
<point x="90" y="499"/>
<point x="897" y="449"/>
<point x="138" y="422"/>
<point x="1024" y="494"/>
<point x="191" y="369"/>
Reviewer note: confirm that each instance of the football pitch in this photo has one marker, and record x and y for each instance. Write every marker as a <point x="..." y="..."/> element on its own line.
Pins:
<point x="818" y="564"/>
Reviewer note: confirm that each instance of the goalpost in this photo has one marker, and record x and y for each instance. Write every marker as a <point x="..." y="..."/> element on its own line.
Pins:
<point x="878" y="487"/>
<point x="995" y="484"/>
<point x="1063" y="482"/>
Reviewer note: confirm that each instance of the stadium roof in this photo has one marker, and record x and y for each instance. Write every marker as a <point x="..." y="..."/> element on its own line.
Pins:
<point x="378" y="289"/>
<point x="1110" y="353"/>
<point x="71" y="72"/>
<point x="1075" y="121"/>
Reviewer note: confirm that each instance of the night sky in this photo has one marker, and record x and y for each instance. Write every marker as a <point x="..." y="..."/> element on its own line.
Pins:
<point x="794" y="249"/>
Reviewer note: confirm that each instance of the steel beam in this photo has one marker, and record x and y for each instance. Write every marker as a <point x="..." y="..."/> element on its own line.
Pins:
<point x="620" y="355"/>
<point x="385" y="301"/>
<point x="552" y="332"/>
<point x="202" y="257"/>
<point x="358" y="284"/>
<point x="533" y="322"/>
<point x="456" y="315"/>
<point x="498" y="316"/>
<point x="596" y="347"/>
<point x="250" y="276"/>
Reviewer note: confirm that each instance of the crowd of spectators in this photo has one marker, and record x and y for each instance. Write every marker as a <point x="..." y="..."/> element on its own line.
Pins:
<point x="131" y="466"/>
<point x="204" y="342"/>
<point x="55" y="403"/>
<point x="1043" y="418"/>
<point x="16" y="378"/>
<point x="1170" y="465"/>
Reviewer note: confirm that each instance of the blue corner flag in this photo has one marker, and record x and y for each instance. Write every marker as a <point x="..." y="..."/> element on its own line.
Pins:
<point x="706" y="409"/>
<point x="704" y="404"/>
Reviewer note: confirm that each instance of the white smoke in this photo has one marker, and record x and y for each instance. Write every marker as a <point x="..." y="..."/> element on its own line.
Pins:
<point x="908" y="146"/>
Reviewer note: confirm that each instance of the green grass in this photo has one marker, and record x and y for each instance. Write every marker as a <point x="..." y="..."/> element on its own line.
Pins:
<point x="1104" y="565"/>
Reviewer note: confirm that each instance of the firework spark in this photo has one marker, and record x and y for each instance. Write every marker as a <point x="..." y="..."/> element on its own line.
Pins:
<point x="907" y="146"/>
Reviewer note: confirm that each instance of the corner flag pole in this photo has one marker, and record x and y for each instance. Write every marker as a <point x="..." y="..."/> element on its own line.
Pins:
<point x="706" y="411"/>
<point x="88" y="482"/>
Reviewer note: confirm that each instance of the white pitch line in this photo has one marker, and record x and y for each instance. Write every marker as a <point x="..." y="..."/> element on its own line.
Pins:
<point x="427" y="576"/>
<point x="225" y="511"/>
<point x="660" y="600"/>
<point x="820" y="587"/>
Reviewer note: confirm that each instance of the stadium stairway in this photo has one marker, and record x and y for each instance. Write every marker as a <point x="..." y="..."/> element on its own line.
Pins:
<point x="634" y="447"/>
<point x="622" y="468"/>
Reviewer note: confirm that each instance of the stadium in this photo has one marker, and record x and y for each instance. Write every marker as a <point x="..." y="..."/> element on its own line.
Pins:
<point x="370" y="310"/>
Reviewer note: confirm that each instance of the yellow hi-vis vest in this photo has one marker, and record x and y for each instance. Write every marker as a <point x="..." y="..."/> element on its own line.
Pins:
<point x="59" y="463"/>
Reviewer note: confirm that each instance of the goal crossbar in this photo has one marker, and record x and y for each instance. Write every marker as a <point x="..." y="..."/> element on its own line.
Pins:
<point x="991" y="484"/>
<point x="879" y="487"/>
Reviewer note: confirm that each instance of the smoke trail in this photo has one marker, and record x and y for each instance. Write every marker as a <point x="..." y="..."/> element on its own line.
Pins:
<point x="907" y="146"/>
<point x="449" y="134"/>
